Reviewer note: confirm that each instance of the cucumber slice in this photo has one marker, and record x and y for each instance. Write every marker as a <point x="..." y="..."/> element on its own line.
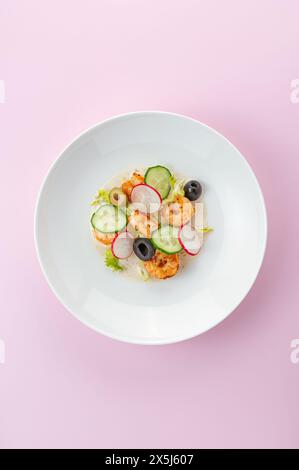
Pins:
<point x="166" y="240"/>
<point x="158" y="177"/>
<point x="109" y="219"/>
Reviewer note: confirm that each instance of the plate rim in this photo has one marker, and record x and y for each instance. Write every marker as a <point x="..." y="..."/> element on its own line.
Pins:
<point x="131" y="340"/>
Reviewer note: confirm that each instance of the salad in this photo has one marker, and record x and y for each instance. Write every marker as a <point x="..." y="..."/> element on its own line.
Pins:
<point x="149" y="221"/>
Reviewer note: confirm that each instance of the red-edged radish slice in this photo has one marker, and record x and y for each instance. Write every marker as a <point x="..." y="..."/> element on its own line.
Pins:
<point x="145" y="198"/>
<point x="122" y="245"/>
<point x="189" y="240"/>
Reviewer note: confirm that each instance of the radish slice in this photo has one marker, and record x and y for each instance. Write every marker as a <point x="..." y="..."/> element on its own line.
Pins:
<point x="122" y="245"/>
<point x="146" y="199"/>
<point x="189" y="240"/>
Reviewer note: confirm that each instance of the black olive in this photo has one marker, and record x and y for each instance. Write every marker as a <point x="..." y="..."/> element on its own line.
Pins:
<point x="193" y="190"/>
<point x="143" y="249"/>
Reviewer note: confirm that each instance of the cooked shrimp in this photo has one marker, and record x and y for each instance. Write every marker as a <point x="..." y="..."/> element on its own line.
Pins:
<point x="162" y="266"/>
<point x="105" y="238"/>
<point x="128" y="185"/>
<point x="137" y="178"/>
<point x="178" y="212"/>
<point x="143" y="223"/>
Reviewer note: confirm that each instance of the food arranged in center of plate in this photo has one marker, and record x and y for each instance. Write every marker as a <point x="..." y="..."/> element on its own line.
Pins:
<point x="149" y="221"/>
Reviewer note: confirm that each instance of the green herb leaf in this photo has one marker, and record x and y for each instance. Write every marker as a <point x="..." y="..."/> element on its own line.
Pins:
<point x="102" y="196"/>
<point x="206" y="229"/>
<point x="172" y="180"/>
<point x="177" y="189"/>
<point x="112" y="262"/>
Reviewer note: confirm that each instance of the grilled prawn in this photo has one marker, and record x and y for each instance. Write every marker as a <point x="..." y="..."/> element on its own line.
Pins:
<point x="162" y="266"/>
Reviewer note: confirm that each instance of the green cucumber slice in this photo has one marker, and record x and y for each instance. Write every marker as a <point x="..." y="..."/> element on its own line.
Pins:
<point x="165" y="239"/>
<point x="158" y="177"/>
<point x="109" y="219"/>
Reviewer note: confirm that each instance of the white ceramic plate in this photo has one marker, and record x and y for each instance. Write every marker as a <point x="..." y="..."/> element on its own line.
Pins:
<point x="154" y="312"/>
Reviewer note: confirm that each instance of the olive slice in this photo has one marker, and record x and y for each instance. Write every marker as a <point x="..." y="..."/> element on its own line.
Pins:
<point x="117" y="197"/>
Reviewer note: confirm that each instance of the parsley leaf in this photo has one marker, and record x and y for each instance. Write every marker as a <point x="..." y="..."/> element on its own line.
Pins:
<point x="112" y="262"/>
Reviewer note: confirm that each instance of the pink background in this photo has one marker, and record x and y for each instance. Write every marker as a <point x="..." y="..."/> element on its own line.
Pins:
<point x="69" y="64"/>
